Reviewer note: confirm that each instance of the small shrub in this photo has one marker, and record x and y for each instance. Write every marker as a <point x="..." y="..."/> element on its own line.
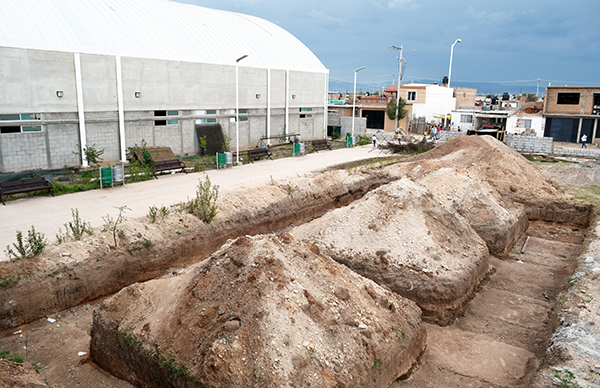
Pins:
<point x="147" y="244"/>
<point x="91" y="154"/>
<point x="204" y="206"/>
<point x="154" y="213"/>
<point x="363" y="140"/>
<point x="74" y="229"/>
<point x="112" y="225"/>
<point x="32" y="246"/>
<point x="377" y="364"/>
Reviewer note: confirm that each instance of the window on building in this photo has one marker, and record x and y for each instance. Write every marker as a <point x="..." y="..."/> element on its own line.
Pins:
<point x="305" y="115"/>
<point x="242" y="111"/>
<point x="165" y="114"/>
<point x="172" y="113"/>
<point x="206" y="121"/>
<point x="411" y="96"/>
<point x="466" y="118"/>
<point x="527" y="123"/>
<point x="568" y="98"/>
<point x="17" y="128"/>
<point x="160" y="113"/>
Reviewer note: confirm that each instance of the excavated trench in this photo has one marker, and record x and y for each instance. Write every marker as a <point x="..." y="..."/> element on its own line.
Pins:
<point x="497" y="339"/>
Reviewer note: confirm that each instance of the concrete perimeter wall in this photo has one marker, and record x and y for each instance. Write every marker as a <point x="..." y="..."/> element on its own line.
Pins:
<point x="193" y="94"/>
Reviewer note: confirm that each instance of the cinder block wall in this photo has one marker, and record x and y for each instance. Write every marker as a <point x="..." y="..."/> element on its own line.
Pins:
<point x="529" y="144"/>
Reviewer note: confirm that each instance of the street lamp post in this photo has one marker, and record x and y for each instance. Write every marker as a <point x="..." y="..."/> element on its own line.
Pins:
<point x="450" y="77"/>
<point x="399" y="81"/>
<point x="354" y="101"/>
<point x="237" y="109"/>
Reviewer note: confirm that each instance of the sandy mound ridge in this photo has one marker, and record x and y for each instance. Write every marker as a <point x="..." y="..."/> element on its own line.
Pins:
<point x="262" y="312"/>
<point x="399" y="236"/>
<point x="487" y="159"/>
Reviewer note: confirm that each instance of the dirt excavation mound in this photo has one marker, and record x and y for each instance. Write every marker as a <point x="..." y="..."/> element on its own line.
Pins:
<point x="399" y="236"/>
<point x="498" y="221"/>
<point x="263" y="311"/>
<point x="495" y="188"/>
<point x="487" y="159"/>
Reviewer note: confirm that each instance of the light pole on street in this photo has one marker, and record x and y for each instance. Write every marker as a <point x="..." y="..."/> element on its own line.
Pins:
<point x="354" y="101"/>
<point x="450" y="75"/>
<point x="237" y="109"/>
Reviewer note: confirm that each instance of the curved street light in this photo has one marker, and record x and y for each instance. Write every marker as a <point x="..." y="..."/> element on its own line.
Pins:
<point x="237" y="110"/>
<point x="354" y="101"/>
<point x="450" y="77"/>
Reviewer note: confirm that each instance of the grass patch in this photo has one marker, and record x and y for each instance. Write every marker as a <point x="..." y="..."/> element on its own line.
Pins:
<point x="589" y="193"/>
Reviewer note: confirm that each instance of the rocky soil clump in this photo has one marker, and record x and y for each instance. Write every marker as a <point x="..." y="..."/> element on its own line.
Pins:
<point x="263" y="311"/>
<point x="400" y="237"/>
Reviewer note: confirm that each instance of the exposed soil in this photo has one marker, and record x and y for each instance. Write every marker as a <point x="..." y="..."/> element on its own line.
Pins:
<point x="500" y="341"/>
<point x="263" y="311"/>
<point x="399" y="236"/>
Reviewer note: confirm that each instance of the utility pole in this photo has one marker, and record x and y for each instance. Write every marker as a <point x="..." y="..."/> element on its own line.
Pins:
<point x="537" y="92"/>
<point x="399" y="81"/>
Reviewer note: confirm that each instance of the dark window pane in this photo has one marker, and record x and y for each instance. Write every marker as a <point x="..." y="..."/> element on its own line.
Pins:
<point x="568" y="99"/>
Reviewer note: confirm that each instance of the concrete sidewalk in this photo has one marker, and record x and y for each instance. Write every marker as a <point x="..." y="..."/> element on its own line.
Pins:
<point x="48" y="214"/>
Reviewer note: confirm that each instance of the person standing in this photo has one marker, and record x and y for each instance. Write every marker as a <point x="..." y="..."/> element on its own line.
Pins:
<point x="583" y="141"/>
<point x="374" y="138"/>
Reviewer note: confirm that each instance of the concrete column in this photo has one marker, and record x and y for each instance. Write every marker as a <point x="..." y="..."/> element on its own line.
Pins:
<point x="579" y="130"/>
<point x="325" y="116"/>
<point x="122" y="146"/>
<point x="287" y="102"/>
<point x="80" y="108"/>
<point x="269" y="105"/>
<point x="594" y="132"/>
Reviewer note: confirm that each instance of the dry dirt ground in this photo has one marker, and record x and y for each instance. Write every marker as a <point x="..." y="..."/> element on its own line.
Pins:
<point x="496" y="342"/>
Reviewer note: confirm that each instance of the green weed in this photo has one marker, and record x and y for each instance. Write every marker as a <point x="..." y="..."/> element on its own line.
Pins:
<point x="204" y="205"/>
<point x="31" y="246"/>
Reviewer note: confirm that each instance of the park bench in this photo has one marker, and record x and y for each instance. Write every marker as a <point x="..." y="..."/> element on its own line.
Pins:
<point x="24" y="186"/>
<point x="257" y="153"/>
<point x="167" y="165"/>
<point x="320" y="145"/>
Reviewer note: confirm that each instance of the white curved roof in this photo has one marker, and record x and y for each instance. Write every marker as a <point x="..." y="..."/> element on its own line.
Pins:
<point x="152" y="29"/>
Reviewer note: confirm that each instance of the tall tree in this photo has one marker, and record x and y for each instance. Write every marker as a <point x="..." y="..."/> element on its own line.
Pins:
<point x="391" y="111"/>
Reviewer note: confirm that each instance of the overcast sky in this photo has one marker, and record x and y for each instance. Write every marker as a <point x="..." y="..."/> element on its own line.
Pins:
<point x="502" y="41"/>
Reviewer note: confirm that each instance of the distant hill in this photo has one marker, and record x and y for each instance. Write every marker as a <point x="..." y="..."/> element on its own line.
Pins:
<point x="482" y="87"/>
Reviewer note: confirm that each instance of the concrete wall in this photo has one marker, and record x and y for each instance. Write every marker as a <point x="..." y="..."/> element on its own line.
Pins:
<point x="29" y="80"/>
<point x="530" y="144"/>
<point x="360" y="126"/>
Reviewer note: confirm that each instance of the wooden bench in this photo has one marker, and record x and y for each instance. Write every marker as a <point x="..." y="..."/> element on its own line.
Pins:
<point x="257" y="153"/>
<point x="166" y="165"/>
<point x="24" y="186"/>
<point x="320" y="145"/>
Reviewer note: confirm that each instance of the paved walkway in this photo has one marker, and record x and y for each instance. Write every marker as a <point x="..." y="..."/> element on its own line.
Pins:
<point x="48" y="214"/>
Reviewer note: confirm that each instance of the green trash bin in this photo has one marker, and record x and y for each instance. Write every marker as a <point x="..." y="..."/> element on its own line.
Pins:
<point x="221" y="160"/>
<point x="106" y="176"/>
<point x="349" y="141"/>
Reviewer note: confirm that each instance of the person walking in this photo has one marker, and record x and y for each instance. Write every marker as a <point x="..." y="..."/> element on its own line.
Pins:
<point x="374" y="138"/>
<point x="583" y="141"/>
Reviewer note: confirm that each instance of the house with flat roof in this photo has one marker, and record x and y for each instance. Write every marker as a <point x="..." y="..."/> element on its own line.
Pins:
<point x="571" y="111"/>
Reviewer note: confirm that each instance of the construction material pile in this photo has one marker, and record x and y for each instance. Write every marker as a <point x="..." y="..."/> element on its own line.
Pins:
<point x="263" y="311"/>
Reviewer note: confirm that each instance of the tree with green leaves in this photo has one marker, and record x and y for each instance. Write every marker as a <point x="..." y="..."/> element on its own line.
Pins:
<point x="391" y="112"/>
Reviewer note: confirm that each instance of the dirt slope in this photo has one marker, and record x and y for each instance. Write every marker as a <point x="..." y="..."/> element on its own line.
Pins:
<point x="398" y="236"/>
<point x="261" y="312"/>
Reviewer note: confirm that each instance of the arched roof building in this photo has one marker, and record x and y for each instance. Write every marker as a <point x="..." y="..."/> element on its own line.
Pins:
<point x="102" y="71"/>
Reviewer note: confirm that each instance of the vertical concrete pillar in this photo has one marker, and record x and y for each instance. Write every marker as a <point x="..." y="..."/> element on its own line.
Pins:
<point x="286" y="127"/>
<point x="579" y="130"/>
<point x="594" y="132"/>
<point x="80" y="108"/>
<point x="121" y="109"/>
<point x="269" y="106"/>
<point x="325" y="115"/>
